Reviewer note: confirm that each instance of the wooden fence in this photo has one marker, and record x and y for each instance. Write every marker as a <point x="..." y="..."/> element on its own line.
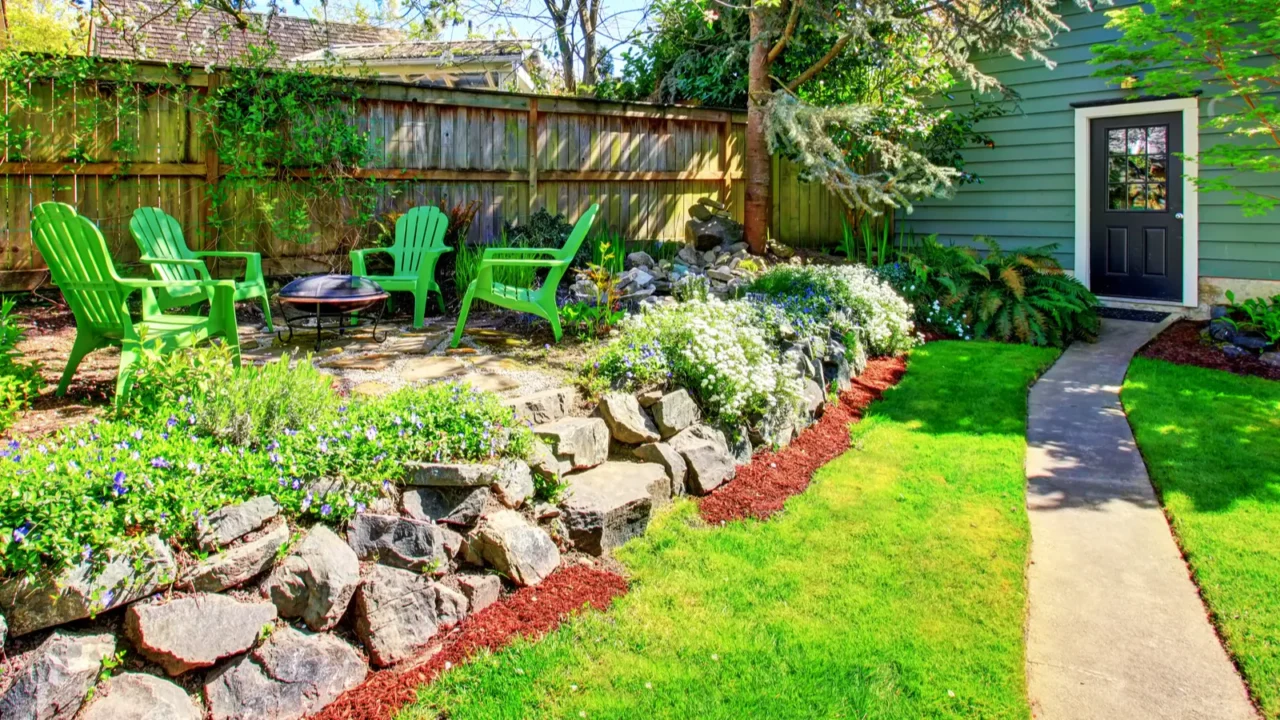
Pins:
<point x="645" y="165"/>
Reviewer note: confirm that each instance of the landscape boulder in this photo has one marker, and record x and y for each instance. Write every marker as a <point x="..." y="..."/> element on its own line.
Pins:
<point x="316" y="580"/>
<point x="481" y="590"/>
<point x="627" y="421"/>
<point x="86" y="589"/>
<point x="544" y="406"/>
<point x="451" y="606"/>
<point x="290" y="676"/>
<point x="706" y="453"/>
<point x="608" y="505"/>
<point x="396" y="615"/>
<point x="139" y="696"/>
<point x="523" y="552"/>
<point x="195" y="631"/>
<point x="450" y="474"/>
<point x="674" y="412"/>
<point x="57" y="676"/>
<point x="401" y="542"/>
<point x="670" y="460"/>
<point x="578" y="443"/>
<point x="237" y="565"/>
<point x="452" y="506"/>
<point x="514" y="483"/>
<point x="224" y="526"/>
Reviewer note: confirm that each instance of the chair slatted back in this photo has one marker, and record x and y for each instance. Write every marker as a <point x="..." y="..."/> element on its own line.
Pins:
<point x="80" y="264"/>
<point x="422" y="228"/>
<point x="570" y="250"/>
<point x="159" y="235"/>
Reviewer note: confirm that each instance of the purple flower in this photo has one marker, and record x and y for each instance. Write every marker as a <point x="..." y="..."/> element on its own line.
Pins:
<point x="360" y="507"/>
<point x="86" y="553"/>
<point x="324" y="445"/>
<point x="290" y="432"/>
<point x="296" y="484"/>
<point x="325" y="509"/>
<point x="137" y="434"/>
<point x="191" y="419"/>
<point x="160" y="462"/>
<point x="273" y="445"/>
<point x="274" y="457"/>
<point x="371" y="433"/>
<point x="20" y="533"/>
<point x="117" y="483"/>
<point x="171" y="421"/>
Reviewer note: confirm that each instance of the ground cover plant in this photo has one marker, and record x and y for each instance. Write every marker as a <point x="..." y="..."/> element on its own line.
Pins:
<point x="892" y="588"/>
<point x="199" y="436"/>
<point x="20" y="380"/>
<point x="1209" y="441"/>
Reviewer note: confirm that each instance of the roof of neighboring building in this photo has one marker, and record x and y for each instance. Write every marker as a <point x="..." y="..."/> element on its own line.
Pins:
<point x="461" y="50"/>
<point x="208" y="36"/>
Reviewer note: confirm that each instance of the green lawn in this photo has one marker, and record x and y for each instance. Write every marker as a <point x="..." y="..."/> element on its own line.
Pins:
<point x="892" y="588"/>
<point x="1212" y="442"/>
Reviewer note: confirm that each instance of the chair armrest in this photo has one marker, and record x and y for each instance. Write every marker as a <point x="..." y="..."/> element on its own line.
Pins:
<point x="499" y="262"/>
<point x="495" y="253"/>
<point x="252" y="260"/>
<point x="364" y="251"/>
<point x="198" y="265"/>
<point x="138" y="283"/>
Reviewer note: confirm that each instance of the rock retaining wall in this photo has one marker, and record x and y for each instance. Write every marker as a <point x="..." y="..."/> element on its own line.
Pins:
<point x="277" y="621"/>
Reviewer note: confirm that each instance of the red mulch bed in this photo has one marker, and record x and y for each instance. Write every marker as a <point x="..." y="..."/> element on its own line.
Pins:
<point x="760" y="488"/>
<point x="531" y="612"/>
<point x="1181" y="344"/>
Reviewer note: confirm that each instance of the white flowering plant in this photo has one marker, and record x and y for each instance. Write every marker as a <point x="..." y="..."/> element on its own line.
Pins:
<point x="716" y="349"/>
<point x="844" y="299"/>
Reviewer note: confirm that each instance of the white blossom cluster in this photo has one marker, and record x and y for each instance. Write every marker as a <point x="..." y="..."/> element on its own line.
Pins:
<point x="883" y="316"/>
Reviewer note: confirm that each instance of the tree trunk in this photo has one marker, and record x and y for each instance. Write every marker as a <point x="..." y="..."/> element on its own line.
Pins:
<point x="560" y="18"/>
<point x="757" y="168"/>
<point x="589" y="17"/>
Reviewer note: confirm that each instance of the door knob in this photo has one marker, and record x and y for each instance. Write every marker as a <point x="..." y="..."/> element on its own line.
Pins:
<point x="1177" y="216"/>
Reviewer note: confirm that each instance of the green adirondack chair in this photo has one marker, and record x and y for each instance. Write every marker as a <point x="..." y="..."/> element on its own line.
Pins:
<point x="540" y="302"/>
<point x="159" y="237"/>
<point x="418" y="245"/>
<point x="81" y="267"/>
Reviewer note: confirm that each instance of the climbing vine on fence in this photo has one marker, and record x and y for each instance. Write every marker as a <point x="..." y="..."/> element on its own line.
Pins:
<point x="288" y="143"/>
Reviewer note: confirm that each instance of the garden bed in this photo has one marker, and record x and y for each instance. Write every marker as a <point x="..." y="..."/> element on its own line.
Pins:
<point x="1182" y="343"/>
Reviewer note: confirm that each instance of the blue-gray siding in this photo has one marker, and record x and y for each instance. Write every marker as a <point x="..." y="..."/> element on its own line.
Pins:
<point x="1027" y="196"/>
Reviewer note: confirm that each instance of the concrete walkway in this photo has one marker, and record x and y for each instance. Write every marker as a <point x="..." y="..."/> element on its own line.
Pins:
<point x="1116" y="628"/>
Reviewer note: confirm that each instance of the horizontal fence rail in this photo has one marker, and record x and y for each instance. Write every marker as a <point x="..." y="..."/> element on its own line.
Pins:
<point x="646" y="165"/>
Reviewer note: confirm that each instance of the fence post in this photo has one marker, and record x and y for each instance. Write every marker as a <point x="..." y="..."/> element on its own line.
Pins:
<point x="532" y="138"/>
<point x="726" y="132"/>
<point x="212" y="170"/>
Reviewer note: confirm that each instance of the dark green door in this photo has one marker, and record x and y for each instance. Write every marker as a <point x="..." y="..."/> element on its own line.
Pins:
<point x="1135" y="213"/>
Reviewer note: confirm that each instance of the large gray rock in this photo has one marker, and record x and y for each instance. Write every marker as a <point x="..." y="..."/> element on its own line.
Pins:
<point x="395" y="614"/>
<point x="674" y="412"/>
<point x="814" y="397"/>
<point x="316" y="580"/>
<point x="237" y="565"/>
<point x="523" y="552"/>
<point x="627" y="421"/>
<point x="714" y="232"/>
<point x="514" y="483"/>
<point x="608" y="505"/>
<point x="399" y="542"/>
<point x="451" y="606"/>
<point x="670" y="460"/>
<point x="578" y="443"/>
<point x="542" y="462"/>
<point x="454" y="506"/>
<point x="481" y="590"/>
<point x="450" y="474"/>
<point x="195" y="631"/>
<point x="81" y="591"/>
<point x="706" y="453"/>
<point x="544" y="406"/>
<point x="290" y="676"/>
<point x="57" y="676"/>
<point x="224" y="526"/>
<point x="138" y="696"/>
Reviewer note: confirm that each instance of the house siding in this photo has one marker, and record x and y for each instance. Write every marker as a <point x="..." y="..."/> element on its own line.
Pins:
<point x="1027" y="196"/>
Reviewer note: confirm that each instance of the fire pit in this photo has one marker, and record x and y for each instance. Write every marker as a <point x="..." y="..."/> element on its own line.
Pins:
<point x="332" y="302"/>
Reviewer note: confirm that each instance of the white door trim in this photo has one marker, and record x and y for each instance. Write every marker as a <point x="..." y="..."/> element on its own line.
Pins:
<point x="1189" y="107"/>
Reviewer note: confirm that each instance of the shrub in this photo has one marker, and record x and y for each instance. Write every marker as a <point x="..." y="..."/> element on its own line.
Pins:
<point x="20" y="381"/>
<point x="108" y="484"/>
<point x="714" y="348"/>
<point x="1256" y="315"/>
<point x="1014" y="296"/>
<point x="843" y="299"/>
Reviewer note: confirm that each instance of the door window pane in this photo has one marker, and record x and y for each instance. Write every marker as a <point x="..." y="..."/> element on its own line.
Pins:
<point x="1157" y="168"/>
<point x="1137" y="141"/>
<point x="1138" y="168"/>
<point x="1115" y="141"/>
<point x="1117" y="199"/>
<point x="1156" y="196"/>
<point x="1137" y="196"/>
<point x="1156" y="139"/>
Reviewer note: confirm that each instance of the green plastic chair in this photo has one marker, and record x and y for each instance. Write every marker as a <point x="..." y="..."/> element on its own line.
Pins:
<point x="418" y="245"/>
<point x="81" y="267"/>
<point x="540" y="302"/>
<point x="159" y="237"/>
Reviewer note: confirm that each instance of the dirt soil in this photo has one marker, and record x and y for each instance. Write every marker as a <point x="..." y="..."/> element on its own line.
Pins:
<point x="530" y="612"/>
<point x="761" y="487"/>
<point x="1181" y="343"/>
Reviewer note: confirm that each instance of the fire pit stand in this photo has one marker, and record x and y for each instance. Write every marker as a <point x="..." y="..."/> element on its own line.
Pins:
<point x="333" y="303"/>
